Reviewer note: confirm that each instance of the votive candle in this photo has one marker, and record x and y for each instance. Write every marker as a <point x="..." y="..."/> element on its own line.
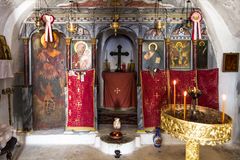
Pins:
<point x="184" y="103"/>
<point x="174" y="96"/>
<point x="224" y="97"/>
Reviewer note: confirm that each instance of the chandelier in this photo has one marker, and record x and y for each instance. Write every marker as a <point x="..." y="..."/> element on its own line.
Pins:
<point x="38" y="22"/>
<point x="71" y="27"/>
<point x="115" y="23"/>
<point x="157" y="21"/>
<point x="188" y="11"/>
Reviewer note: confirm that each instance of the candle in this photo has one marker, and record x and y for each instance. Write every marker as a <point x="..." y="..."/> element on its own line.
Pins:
<point x="194" y="90"/>
<point x="174" y="96"/>
<point x="223" y="107"/>
<point x="184" y="103"/>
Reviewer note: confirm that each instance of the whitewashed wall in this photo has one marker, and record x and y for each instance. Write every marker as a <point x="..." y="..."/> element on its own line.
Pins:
<point x="223" y="21"/>
<point x="223" y="41"/>
<point x="12" y="14"/>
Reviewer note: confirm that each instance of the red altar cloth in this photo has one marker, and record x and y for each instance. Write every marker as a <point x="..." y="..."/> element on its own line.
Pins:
<point x="208" y="84"/>
<point x="154" y="96"/>
<point x="119" y="90"/>
<point x="184" y="79"/>
<point x="80" y="100"/>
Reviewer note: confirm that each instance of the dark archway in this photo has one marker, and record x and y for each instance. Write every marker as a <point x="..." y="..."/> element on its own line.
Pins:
<point x="106" y="43"/>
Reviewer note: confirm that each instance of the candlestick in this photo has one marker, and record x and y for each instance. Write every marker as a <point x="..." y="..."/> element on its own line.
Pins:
<point x="194" y="90"/>
<point x="174" y="96"/>
<point x="224" y="97"/>
<point x="184" y="104"/>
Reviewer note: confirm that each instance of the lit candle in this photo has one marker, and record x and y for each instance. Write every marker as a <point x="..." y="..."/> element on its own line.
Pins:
<point x="174" y="96"/>
<point x="223" y="107"/>
<point x="184" y="103"/>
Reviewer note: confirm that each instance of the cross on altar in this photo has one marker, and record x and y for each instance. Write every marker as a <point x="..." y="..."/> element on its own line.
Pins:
<point x="117" y="90"/>
<point x="119" y="54"/>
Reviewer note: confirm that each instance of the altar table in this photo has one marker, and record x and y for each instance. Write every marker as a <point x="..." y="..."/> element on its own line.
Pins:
<point x="119" y="90"/>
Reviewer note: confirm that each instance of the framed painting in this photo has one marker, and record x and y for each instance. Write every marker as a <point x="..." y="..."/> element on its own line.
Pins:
<point x="81" y="57"/>
<point x="2" y="40"/>
<point x="180" y="54"/>
<point x="202" y="54"/>
<point x="48" y="79"/>
<point x="230" y="62"/>
<point x="153" y="55"/>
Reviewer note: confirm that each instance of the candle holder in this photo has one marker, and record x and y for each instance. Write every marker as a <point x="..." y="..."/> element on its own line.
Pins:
<point x="207" y="130"/>
<point x="194" y="94"/>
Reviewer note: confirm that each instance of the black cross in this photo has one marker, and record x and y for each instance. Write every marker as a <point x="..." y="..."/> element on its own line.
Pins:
<point x="119" y="54"/>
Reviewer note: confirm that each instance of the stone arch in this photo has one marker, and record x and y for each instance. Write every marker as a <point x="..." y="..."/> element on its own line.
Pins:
<point x="125" y="37"/>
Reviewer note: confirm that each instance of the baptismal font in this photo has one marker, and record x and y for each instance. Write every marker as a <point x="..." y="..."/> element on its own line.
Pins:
<point x="196" y="125"/>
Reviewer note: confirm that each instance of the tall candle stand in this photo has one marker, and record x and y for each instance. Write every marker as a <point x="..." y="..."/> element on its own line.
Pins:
<point x="9" y="91"/>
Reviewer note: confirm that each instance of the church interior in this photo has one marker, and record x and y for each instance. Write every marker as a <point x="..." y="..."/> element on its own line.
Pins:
<point x="119" y="79"/>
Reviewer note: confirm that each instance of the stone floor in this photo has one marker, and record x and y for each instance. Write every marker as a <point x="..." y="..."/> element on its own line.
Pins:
<point x="147" y="152"/>
<point x="85" y="152"/>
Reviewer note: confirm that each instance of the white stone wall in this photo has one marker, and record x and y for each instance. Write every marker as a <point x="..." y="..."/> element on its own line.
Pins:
<point x="223" y="41"/>
<point x="222" y="18"/>
<point x="12" y="15"/>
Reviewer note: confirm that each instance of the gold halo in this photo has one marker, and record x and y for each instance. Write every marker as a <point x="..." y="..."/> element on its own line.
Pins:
<point x="179" y="44"/>
<point x="55" y="40"/>
<point x="77" y="43"/>
<point x="149" y="46"/>
<point x="201" y="43"/>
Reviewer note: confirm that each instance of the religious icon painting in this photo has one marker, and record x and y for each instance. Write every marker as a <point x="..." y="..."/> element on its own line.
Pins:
<point x="202" y="54"/>
<point x="180" y="54"/>
<point x="230" y="62"/>
<point x="81" y="55"/>
<point x="5" y="52"/>
<point x="153" y="55"/>
<point x="48" y="80"/>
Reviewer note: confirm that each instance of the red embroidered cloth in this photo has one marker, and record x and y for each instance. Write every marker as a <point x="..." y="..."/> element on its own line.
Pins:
<point x="208" y="84"/>
<point x="154" y="91"/>
<point x="81" y="101"/>
<point x="184" y="79"/>
<point x="120" y="90"/>
<point x="154" y="96"/>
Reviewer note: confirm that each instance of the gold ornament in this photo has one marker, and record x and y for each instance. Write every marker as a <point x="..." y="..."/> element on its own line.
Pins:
<point x="195" y="134"/>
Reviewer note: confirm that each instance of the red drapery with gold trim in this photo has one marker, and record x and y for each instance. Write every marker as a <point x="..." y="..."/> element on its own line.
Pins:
<point x="208" y="84"/>
<point x="154" y="96"/>
<point x="184" y="79"/>
<point x="80" y="100"/>
<point x="154" y="91"/>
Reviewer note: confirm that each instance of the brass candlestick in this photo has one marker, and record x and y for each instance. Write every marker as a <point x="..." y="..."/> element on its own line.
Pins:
<point x="9" y="91"/>
<point x="194" y="94"/>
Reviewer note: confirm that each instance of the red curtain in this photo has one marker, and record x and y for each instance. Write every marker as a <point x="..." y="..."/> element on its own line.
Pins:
<point x="80" y="100"/>
<point x="184" y="79"/>
<point x="154" y="96"/>
<point x="154" y="91"/>
<point x="208" y="84"/>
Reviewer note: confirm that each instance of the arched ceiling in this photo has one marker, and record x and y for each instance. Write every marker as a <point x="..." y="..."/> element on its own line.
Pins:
<point x="228" y="9"/>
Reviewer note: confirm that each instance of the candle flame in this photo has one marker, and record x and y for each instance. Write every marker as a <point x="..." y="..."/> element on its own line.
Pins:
<point x="224" y="97"/>
<point x="174" y="82"/>
<point x="185" y="93"/>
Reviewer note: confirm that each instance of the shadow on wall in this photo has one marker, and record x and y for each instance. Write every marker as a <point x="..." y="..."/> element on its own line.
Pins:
<point x="237" y="125"/>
